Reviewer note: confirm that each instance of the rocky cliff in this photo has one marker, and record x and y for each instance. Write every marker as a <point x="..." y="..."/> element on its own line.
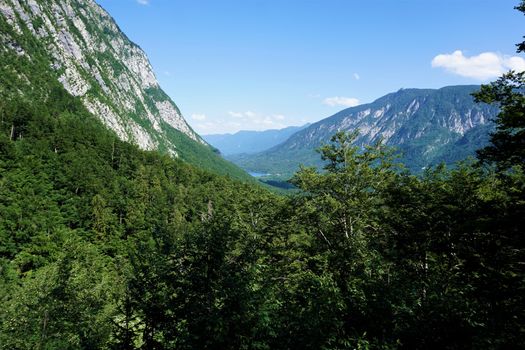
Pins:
<point x="94" y="60"/>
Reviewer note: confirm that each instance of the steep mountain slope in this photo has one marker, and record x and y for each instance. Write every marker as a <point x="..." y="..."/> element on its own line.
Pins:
<point x="78" y="43"/>
<point x="250" y="141"/>
<point x="427" y="126"/>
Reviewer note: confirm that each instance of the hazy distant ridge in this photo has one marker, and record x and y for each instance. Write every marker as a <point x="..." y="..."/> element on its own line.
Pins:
<point x="250" y="141"/>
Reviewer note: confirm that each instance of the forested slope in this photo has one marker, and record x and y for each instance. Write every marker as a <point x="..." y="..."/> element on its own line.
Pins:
<point x="77" y="45"/>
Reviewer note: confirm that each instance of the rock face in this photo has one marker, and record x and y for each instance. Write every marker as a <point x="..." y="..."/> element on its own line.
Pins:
<point x="404" y="117"/>
<point x="95" y="61"/>
<point x="427" y="126"/>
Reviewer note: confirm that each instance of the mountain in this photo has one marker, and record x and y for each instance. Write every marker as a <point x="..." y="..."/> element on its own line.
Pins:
<point x="427" y="126"/>
<point x="250" y="141"/>
<point x="77" y="43"/>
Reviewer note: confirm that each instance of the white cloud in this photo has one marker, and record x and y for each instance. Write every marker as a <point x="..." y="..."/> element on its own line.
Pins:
<point x="516" y="63"/>
<point x="356" y="76"/>
<point x="143" y="2"/>
<point x="484" y="66"/>
<point x="341" y="101"/>
<point x="243" y="115"/>
<point x="235" y="121"/>
<point x="199" y="117"/>
<point x="236" y="114"/>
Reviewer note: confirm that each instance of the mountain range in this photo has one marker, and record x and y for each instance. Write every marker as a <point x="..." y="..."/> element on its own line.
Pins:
<point x="249" y="142"/>
<point x="426" y="126"/>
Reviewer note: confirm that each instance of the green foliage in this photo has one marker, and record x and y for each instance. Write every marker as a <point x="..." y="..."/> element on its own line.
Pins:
<point x="105" y="246"/>
<point x="67" y="304"/>
<point x="507" y="147"/>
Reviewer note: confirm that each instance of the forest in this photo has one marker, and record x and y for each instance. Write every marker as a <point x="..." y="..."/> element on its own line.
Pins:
<point x="106" y="246"/>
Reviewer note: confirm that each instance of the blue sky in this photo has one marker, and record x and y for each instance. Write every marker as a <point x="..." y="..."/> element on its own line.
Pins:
<point x="260" y="64"/>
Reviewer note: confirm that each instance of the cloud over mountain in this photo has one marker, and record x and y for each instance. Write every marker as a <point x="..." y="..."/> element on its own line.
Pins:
<point x="487" y="65"/>
<point x="341" y="101"/>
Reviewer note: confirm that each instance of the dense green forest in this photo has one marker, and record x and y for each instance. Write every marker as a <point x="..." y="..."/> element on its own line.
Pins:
<point x="105" y="246"/>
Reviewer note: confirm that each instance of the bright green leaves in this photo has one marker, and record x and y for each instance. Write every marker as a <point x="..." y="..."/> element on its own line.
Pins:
<point x="344" y="201"/>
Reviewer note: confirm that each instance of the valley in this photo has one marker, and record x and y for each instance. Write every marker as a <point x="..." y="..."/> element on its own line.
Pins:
<point x="122" y="228"/>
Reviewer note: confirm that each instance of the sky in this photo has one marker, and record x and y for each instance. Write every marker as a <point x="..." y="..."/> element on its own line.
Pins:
<point x="233" y="65"/>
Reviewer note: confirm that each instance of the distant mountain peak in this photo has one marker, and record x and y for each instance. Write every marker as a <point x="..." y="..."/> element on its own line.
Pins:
<point x="426" y="125"/>
<point x="250" y="141"/>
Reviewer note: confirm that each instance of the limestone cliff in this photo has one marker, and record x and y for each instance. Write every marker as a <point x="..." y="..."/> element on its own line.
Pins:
<point x="94" y="60"/>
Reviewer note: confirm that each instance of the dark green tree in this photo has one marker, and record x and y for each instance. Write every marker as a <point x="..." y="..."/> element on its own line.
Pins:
<point x="507" y="147"/>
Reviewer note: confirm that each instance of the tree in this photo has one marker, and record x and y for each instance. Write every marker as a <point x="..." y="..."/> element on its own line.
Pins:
<point x="507" y="147"/>
<point x="66" y="304"/>
<point x="504" y="258"/>
<point x="343" y="208"/>
<point x="345" y="199"/>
